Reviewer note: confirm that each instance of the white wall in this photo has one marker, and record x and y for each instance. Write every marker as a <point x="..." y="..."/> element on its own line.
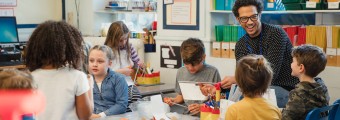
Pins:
<point x="37" y="11"/>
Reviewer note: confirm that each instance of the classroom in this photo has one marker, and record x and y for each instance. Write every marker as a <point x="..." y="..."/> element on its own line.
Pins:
<point x="169" y="59"/>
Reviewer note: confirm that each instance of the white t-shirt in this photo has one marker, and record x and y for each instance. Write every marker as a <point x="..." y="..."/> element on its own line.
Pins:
<point x="60" y="87"/>
<point x="116" y="64"/>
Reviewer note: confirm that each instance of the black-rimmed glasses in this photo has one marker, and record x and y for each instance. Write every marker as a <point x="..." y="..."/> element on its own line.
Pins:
<point x="245" y="19"/>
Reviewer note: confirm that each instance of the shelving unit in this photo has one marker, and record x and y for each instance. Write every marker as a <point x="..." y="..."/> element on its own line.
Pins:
<point x="284" y="12"/>
<point x="124" y="12"/>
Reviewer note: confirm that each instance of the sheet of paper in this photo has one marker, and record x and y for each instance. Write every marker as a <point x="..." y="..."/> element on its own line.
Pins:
<point x="270" y="96"/>
<point x="181" y="12"/>
<point x="160" y="116"/>
<point x="157" y="104"/>
<point x="235" y="93"/>
<point x="191" y="91"/>
<point x="171" y="62"/>
<point x="165" y="52"/>
<point x="224" y="105"/>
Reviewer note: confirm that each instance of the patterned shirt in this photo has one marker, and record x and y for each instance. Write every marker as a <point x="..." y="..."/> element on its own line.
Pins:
<point x="304" y="98"/>
<point x="275" y="46"/>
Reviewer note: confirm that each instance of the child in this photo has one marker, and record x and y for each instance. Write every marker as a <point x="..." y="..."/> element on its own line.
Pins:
<point x="253" y="75"/>
<point x="125" y="56"/>
<point x="53" y="55"/>
<point x="192" y="52"/>
<point x="311" y="92"/>
<point x="15" y="79"/>
<point x="110" y="90"/>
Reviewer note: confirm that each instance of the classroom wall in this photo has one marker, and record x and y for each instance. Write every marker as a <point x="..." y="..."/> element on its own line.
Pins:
<point x="37" y="11"/>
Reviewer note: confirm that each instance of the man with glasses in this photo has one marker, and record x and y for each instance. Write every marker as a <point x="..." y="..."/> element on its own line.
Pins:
<point x="268" y="40"/>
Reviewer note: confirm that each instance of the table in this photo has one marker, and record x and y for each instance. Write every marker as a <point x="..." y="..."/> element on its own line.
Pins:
<point x="156" y="89"/>
<point x="135" y="116"/>
<point x="15" y="66"/>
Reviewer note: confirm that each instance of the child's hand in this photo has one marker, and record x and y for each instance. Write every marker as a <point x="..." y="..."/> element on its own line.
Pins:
<point x="93" y="116"/>
<point x="141" y="64"/>
<point x="125" y="71"/>
<point x="169" y="101"/>
<point x="228" y="81"/>
<point x="207" y="89"/>
<point x="194" y="109"/>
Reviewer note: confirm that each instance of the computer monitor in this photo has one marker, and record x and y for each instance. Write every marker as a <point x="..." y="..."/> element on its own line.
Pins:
<point x="8" y="30"/>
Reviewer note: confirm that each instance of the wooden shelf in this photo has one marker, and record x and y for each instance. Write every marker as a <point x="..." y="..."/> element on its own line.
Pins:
<point x="124" y="12"/>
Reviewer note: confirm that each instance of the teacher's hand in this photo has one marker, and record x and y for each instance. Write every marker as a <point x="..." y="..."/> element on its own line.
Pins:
<point x="227" y="82"/>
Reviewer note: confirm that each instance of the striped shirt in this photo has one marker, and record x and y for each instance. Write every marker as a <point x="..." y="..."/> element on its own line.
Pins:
<point x="276" y="48"/>
<point x="134" y="56"/>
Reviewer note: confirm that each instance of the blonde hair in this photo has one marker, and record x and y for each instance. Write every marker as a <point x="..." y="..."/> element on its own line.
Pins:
<point x="106" y="49"/>
<point x="116" y="31"/>
<point x="253" y="75"/>
<point x="15" y="79"/>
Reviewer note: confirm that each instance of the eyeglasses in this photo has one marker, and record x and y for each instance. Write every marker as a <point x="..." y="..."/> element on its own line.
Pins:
<point x="245" y="19"/>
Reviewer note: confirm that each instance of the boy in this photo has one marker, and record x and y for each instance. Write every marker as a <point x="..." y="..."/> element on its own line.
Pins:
<point x="311" y="92"/>
<point x="192" y="53"/>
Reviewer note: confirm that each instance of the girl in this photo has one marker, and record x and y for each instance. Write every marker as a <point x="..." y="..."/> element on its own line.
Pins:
<point x="253" y="75"/>
<point x="53" y="55"/>
<point x="125" y="56"/>
<point x="110" y="90"/>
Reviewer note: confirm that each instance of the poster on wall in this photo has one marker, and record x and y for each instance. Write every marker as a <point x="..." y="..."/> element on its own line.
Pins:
<point x="8" y="3"/>
<point x="6" y="12"/>
<point x="170" y="56"/>
<point x="181" y="15"/>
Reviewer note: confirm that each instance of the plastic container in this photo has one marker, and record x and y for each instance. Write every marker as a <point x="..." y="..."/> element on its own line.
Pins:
<point x="147" y="79"/>
<point x="215" y="114"/>
<point x="205" y="112"/>
<point x="156" y="77"/>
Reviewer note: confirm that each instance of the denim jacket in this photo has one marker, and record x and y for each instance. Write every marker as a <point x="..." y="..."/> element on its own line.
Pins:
<point x="113" y="97"/>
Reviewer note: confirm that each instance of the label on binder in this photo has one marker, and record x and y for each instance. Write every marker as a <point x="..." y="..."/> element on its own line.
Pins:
<point x="232" y="45"/>
<point x="338" y="52"/>
<point x="225" y="45"/>
<point x="333" y="5"/>
<point x="270" y="5"/>
<point x="310" y="4"/>
<point x="331" y="51"/>
<point x="216" y="45"/>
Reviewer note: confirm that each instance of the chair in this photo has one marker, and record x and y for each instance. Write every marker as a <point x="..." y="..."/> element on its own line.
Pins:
<point x="324" y="113"/>
<point x="336" y="113"/>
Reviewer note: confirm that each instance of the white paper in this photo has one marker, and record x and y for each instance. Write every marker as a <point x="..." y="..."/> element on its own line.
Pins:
<point x="157" y="104"/>
<point x="8" y="3"/>
<point x="333" y="5"/>
<point x="224" y="105"/>
<point x="191" y="91"/>
<point x="310" y="4"/>
<point x="270" y="5"/>
<point x="171" y="62"/>
<point x="331" y="51"/>
<point x="225" y="45"/>
<point x="170" y="66"/>
<point x="168" y="1"/>
<point x="329" y="36"/>
<point x="181" y="13"/>
<point x="6" y="12"/>
<point x="160" y="116"/>
<point x="270" y="96"/>
<point x="165" y="52"/>
<point x="232" y="45"/>
<point x="216" y="45"/>
<point x="338" y="52"/>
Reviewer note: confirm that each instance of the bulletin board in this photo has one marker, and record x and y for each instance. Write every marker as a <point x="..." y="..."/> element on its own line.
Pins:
<point x="181" y="15"/>
<point x="170" y="57"/>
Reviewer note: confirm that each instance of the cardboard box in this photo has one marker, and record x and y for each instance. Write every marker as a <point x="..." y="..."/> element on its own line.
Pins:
<point x="331" y="57"/>
<point x="232" y="49"/>
<point x="225" y="50"/>
<point x="216" y="49"/>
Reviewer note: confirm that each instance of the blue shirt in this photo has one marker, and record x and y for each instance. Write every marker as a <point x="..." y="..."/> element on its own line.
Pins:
<point x="112" y="99"/>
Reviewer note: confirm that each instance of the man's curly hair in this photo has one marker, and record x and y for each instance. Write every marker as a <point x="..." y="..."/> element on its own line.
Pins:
<point x="242" y="3"/>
